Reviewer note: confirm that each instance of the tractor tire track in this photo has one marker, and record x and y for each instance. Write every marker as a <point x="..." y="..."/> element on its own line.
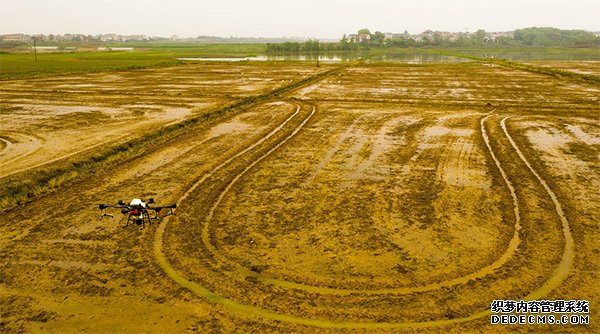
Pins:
<point x="158" y="240"/>
<point x="60" y="157"/>
<point x="237" y="177"/>
<point x="226" y="162"/>
<point x="246" y="310"/>
<point x="65" y="156"/>
<point x="482" y="272"/>
<point x="7" y="145"/>
<point x="22" y="144"/>
<point x="243" y="309"/>
<point x="561" y="272"/>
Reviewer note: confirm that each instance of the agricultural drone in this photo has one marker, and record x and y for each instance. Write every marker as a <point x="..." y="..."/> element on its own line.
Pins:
<point x="138" y="211"/>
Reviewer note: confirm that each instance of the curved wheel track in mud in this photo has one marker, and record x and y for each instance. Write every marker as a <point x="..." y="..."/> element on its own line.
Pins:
<point x="566" y="261"/>
<point x="201" y="291"/>
<point x="65" y="156"/>
<point x="505" y="256"/>
<point x="5" y="145"/>
<point x="17" y="146"/>
<point x="226" y="162"/>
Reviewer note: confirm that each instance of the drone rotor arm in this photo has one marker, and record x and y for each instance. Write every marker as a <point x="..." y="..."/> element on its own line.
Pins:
<point x="158" y="209"/>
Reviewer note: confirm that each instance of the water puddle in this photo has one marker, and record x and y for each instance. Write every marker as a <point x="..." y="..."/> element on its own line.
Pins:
<point x="322" y="58"/>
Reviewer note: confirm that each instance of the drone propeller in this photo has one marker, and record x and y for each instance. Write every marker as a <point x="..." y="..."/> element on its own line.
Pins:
<point x="120" y="205"/>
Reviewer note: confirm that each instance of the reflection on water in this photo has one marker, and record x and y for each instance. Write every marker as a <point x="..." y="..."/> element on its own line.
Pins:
<point x="325" y="58"/>
<point x="415" y="56"/>
<point x="219" y="59"/>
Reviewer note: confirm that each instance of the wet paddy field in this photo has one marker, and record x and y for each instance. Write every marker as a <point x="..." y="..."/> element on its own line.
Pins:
<point x="382" y="197"/>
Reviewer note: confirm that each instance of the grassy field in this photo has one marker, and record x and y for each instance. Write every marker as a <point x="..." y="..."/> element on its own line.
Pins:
<point x="145" y="55"/>
<point x="381" y="196"/>
<point x="20" y="65"/>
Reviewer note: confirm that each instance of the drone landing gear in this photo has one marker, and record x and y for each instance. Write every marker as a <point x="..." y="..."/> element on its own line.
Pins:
<point x="104" y="213"/>
<point x="138" y="220"/>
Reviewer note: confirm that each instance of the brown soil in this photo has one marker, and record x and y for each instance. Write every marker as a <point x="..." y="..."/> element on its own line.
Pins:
<point x="385" y="198"/>
<point x="582" y="66"/>
<point x="60" y="117"/>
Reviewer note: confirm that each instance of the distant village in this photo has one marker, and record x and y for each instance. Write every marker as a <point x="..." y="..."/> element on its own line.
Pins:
<point x="352" y="38"/>
<point x="116" y="38"/>
<point x="534" y="36"/>
<point x="365" y="37"/>
<point x="52" y="38"/>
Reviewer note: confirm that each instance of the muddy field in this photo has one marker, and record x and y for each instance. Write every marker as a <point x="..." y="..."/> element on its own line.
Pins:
<point x="381" y="198"/>
<point x="582" y="66"/>
<point x="58" y="117"/>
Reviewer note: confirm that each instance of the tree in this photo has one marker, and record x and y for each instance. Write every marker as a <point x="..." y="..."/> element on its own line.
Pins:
<point x="364" y="31"/>
<point x="478" y="36"/>
<point x="378" y="37"/>
<point x="554" y="37"/>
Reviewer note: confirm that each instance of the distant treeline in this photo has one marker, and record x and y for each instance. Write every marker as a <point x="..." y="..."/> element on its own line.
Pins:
<point x="527" y="37"/>
<point x="555" y="37"/>
<point x="308" y="46"/>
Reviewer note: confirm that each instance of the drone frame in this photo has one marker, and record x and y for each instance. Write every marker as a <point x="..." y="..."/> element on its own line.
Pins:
<point x="143" y="215"/>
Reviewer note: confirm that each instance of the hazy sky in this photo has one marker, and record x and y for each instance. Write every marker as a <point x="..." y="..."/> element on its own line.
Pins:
<point x="302" y="18"/>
